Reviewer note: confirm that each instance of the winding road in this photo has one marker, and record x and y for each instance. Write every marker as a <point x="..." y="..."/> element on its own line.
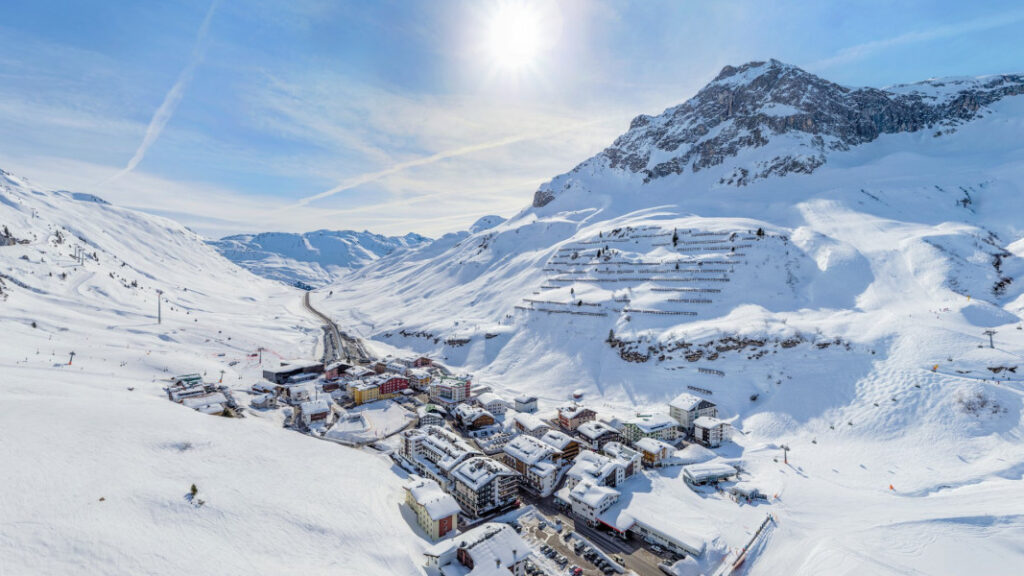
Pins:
<point x="338" y="346"/>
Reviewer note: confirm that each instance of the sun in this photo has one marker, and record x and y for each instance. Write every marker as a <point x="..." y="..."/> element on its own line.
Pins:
<point x="514" y="36"/>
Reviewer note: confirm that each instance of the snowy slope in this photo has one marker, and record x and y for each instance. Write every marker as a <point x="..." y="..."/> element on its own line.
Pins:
<point x="96" y="460"/>
<point x="313" y="258"/>
<point x="849" y="328"/>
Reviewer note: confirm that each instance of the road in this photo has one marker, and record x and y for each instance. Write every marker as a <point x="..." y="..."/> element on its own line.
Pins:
<point x="338" y="346"/>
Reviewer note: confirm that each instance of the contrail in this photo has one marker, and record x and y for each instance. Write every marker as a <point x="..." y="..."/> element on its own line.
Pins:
<point x="374" y="176"/>
<point x="948" y="31"/>
<point x="163" y="114"/>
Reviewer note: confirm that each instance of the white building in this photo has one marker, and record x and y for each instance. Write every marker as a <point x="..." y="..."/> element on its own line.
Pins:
<point x="686" y="408"/>
<point x="526" y="404"/>
<point x="434" y="452"/>
<point x="698" y="474"/>
<point x="568" y="446"/>
<point x="537" y="461"/>
<point x="589" y="500"/>
<point x="660" y="426"/>
<point x="493" y="403"/>
<point x="491" y="549"/>
<point x="628" y="458"/>
<point x="482" y="485"/>
<point x="596" y="434"/>
<point x="530" y="424"/>
<point x="430" y="415"/>
<point x="315" y="412"/>
<point x="436" y="511"/>
<point x="449" y="390"/>
<point x="595" y="468"/>
<point x="711" y="432"/>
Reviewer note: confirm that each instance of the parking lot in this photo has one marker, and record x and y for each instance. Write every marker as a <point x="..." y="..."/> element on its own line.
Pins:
<point x="636" y="557"/>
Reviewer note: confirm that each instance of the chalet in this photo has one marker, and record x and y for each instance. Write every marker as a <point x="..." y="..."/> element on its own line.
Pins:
<point x="472" y="417"/>
<point x="264" y="387"/>
<point x="422" y="362"/>
<point x="536" y="461"/>
<point x="747" y="491"/>
<point x="493" y="403"/>
<point x="491" y="549"/>
<point x="629" y="459"/>
<point x="297" y="393"/>
<point x="710" y="432"/>
<point x="654" y="451"/>
<point x="526" y="404"/>
<point x="330" y="386"/>
<point x="419" y="379"/>
<point x="589" y="500"/>
<point x="434" y="452"/>
<point x="595" y="434"/>
<point x="660" y="426"/>
<point x="565" y="444"/>
<point x="530" y="424"/>
<point x="482" y="486"/>
<point x="686" y="408"/>
<point x="379" y="367"/>
<point x="358" y="373"/>
<point x="698" y="474"/>
<point x="596" y="468"/>
<point x="571" y="416"/>
<point x="449" y="390"/>
<point x="263" y="401"/>
<point x="436" y="512"/>
<point x="315" y="413"/>
<point x="287" y="368"/>
<point x="430" y="415"/>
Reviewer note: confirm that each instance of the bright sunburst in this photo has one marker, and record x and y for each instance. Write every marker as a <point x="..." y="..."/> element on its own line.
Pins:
<point x="514" y="35"/>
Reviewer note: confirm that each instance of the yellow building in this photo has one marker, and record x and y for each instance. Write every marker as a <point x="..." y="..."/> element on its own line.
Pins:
<point x="436" y="512"/>
<point x="365" y="392"/>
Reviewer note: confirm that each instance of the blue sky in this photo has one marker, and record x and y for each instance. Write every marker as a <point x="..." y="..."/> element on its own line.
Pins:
<point x="252" y="115"/>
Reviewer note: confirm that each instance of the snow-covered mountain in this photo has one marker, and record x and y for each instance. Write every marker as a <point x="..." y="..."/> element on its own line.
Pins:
<point x="96" y="460"/>
<point x="820" y="261"/>
<point x="312" y="258"/>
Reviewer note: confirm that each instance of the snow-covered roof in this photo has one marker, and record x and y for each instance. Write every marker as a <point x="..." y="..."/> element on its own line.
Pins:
<point x="627" y="512"/>
<point x="205" y="400"/>
<point x="650" y="423"/>
<point x="525" y="399"/>
<point x="557" y="439"/>
<point x="593" y="495"/>
<point x="654" y="446"/>
<point x="470" y="413"/>
<point x="529" y="421"/>
<point x="708" y="422"/>
<point x="528" y="449"/>
<point x="315" y="407"/>
<point x="429" y="494"/>
<point x="595" y="429"/>
<point x="493" y="546"/>
<point x="708" y="471"/>
<point x="571" y="411"/>
<point x="620" y="452"/>
<point x="592" y="466"/>
<point x="210" y="408"/>
<point x="477" y="471"/>
<point x="685" y="401"/>
<point x="419" y="373"/>
<point x="488" y="398"/>
<point x="449" y="448"/>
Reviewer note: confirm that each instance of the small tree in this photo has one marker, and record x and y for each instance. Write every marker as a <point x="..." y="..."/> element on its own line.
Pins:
<point x="611" y="335"/>
<point x="194" y="490"/>
<point x="760" y="232"/>
<point x="675" y="237"/>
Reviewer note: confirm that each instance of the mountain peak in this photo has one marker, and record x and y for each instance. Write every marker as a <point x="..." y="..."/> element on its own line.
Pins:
<point x="801" y="118"/>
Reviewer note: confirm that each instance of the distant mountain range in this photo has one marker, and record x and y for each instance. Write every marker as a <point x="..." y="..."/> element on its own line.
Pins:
<point x="312" y="258"/>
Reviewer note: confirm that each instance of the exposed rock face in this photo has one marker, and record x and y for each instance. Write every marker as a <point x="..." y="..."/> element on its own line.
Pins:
<point x="748" y="107"/>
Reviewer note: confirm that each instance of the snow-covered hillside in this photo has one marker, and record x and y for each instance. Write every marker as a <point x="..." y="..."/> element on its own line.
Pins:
<point x="312" y="258"/>
<point x="821" y="261"/>
<point x="96" y="460"/>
